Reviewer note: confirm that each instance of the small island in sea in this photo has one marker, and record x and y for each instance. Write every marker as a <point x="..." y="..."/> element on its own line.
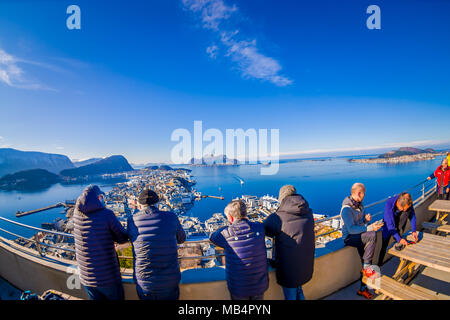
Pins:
<point x="402" y="155"/>
<point x="213" y="161"/>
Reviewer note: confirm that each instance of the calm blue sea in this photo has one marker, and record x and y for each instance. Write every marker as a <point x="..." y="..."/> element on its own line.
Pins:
<point x="323" y="183"/>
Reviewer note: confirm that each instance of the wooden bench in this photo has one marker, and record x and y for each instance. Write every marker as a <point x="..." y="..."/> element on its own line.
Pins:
<point x="444" y="228"/>
<point x="393" y="289"/>
<point x="432" y="226"/>
<point x="436" y="227"/>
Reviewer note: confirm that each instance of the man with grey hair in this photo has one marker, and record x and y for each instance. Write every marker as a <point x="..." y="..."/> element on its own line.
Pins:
<point x="245" y="253"/>
<point x="235" y="210"/>
<point x="292" y="228"/>
<point x="358" y="233"/>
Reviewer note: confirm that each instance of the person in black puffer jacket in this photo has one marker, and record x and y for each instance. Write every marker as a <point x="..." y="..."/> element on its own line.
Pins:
<point x="292" y="228"/>
<point x="95" y="230"/>
<point x="155" y="235"/>
<point x="245" y="254"/>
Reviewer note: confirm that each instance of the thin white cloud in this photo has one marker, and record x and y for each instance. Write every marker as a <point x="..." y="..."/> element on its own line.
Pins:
<point x="212" y="12"/>
<point x="212" y="51"/>
<point x="245" y="53"/>
<point x="252" y="63"/>
<point x="13" y="75"/>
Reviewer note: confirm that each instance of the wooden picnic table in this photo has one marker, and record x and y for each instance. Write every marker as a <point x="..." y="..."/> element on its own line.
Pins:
<point x="442" y="207"/>
<point x="432" y="251"/>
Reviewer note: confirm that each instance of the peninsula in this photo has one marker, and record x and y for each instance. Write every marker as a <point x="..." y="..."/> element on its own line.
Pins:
<point x="402" y="155"/>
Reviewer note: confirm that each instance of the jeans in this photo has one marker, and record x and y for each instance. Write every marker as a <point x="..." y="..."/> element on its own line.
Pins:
<point x="165" y="294"/>
<point x="293" y="293"/>
<point x="444" y="195"/>
<point x="106" y="293"/>
<point x="259" y="297"/>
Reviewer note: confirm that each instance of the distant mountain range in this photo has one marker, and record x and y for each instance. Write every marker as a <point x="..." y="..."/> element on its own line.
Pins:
<point x="12" y="160"/>
<point x="81" y="163"/>
<point x="23" y="170"/>
<point x="110" y="165"/>
<point x="405" y="151"/>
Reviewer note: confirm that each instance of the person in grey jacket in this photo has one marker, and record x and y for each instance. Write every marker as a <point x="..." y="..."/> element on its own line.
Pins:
<point x="358" y="233"/>
<point x="96" y="229"/>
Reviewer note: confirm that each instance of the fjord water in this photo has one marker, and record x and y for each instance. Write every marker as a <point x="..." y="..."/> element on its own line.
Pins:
<point x="323" y="183"/>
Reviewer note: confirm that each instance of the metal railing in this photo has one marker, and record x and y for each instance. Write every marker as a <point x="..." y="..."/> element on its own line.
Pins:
<point x="426" y="188"/>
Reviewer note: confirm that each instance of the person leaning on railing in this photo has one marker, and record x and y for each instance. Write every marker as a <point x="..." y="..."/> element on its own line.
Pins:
<point x="155" y="235"/>
<point x="442" y="175"/>
<point x="245" y="253"/>
<point x="358" y="233"/>
<point x="397" y="212"/>
<point x="96" y="229"/>
<point x="292" y="228"/>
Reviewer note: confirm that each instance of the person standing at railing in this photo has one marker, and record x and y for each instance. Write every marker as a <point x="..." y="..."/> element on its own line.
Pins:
<point x="442" y="175"/>
<point x="397" y="211"/>
<point x="155" y="235"/>
<point x="96" y="229"/>
<point x="358" y="233"/>
<point x="245" y="253"/>
<point x="292" y="228"/>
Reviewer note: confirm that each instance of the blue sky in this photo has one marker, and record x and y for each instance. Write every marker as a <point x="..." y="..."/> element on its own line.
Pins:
<point x="136" y="72"/>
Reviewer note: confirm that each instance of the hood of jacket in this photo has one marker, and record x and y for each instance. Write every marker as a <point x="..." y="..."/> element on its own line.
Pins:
<point x="88" y="201"/>
<point x="391" y="202"/>
<point x="294" y="204"/>
<point x="348" y="201"/>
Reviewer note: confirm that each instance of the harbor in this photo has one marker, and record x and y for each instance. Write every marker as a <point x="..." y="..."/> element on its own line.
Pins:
<point x="66" y="204"/>
<point x="177" y="193"/>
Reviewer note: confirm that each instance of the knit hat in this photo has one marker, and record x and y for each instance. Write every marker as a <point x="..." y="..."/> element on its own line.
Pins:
<point x="148" y="197"/>
<point x="285" y="191"/>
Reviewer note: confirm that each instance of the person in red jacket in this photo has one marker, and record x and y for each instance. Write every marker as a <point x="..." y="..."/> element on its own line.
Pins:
<point x="442" y="175"/>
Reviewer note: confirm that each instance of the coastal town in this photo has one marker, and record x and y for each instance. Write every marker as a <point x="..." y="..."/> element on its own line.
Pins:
<point x="175" y="188"/>
<point x="402" y="155"/>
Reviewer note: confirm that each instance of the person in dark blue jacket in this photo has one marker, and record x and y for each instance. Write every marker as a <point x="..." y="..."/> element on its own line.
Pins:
<point x="245" y="253"/>
<point x="96" y="229"/>
<point x="397" y="211"/>
<point x="155" y="235"/>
